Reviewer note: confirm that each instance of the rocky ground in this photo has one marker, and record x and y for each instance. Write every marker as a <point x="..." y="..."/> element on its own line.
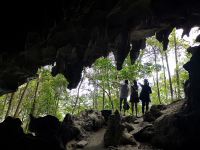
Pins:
<point x="124" y="132"/>
<point x="162" y="127"/>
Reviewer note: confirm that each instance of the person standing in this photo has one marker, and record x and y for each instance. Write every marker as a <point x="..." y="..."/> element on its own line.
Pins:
<point x="145" y="95"/>
<point x="134" y="99"/>
<point x="124" y="89"/>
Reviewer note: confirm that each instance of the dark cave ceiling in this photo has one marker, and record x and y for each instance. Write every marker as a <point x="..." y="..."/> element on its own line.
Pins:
<point x="74" y="33"/>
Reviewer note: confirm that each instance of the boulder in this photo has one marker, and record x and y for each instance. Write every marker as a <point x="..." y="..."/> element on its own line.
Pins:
<point x="81" y="144"/>
<point x="145" y="134"/>
<point x="70" y="129"/>
<point x="127" y="139"/>
<point x="92" y="120"/>
<point x="177" y="131"/>
<point x="128" y="126"/>
<point x="154" y="113"/>
<point x="129" y="119"/>
<point x="114" y="130"/>
<point x="106" y="114"/>
<point x="149" y="117"/>
<point x="47" y="125"/>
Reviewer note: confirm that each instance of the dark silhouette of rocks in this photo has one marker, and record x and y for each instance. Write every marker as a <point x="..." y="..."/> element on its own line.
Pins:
<point x="13" y="137"/>
<point x="63" y="31"/>
<point x="106" y="114"/>
<point x="114" y="131"/>
<point x="117" y="132"/>
<point x="145" y="134"/>
<point x="68" y="130"/>
<point x="154" y="113"/>
<point x="92" y="120"/>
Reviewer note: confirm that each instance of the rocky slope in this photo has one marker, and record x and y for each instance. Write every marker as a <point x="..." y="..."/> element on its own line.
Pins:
<point x="166" y="131"/>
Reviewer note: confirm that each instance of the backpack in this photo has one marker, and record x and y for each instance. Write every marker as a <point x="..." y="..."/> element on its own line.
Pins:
<point x="126" y="106"/>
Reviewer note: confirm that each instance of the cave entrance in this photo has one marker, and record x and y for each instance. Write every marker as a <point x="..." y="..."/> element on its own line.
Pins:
<point x="99" y="86"/>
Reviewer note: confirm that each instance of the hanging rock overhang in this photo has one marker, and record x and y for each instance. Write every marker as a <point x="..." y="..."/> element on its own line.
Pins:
<point x="74" y="33"/>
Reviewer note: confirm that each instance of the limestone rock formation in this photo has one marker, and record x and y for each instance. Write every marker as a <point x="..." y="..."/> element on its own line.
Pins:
<point x="114" y="131"/>
<point x="74" y="33"/>
<point x="154" y="113"/>
<point x="145" y="134"/>
<point x="82" y="144"/>
<point x="92" y="120"/>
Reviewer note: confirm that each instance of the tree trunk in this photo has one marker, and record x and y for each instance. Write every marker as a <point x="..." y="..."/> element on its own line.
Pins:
<point x="169" y="74"/>
<point x="157" y="82"/>
<point x="96" y="98"/>
<point x="177" y="68"/>
<point x="10" y="104"/>
<point x="165" y="80"/>
<point x="154" y="82"/>
<point x="109" y="91"/>
<point x="95" y="95"/>
<point x="77" y="97"/>
<point x="110" y="99"/>
<point x="35" y="96"/>
<point x="4" y="104"/>
<point x="103" y="105"/>
<point x="20" y="101"/>
<point x="79" y="106"/>
<point x="93" y="100"/>
<point x="118" y="86"/>
<point x="56" y="103"/>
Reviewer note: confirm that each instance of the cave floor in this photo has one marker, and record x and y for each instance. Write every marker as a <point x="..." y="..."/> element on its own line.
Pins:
<point x="95" y="139"/>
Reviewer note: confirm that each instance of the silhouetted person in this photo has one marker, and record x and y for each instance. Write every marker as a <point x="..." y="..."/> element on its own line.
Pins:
<point x="145" y="95"/>
<point x="134" y="99"/>
<point x="123" y="95"/>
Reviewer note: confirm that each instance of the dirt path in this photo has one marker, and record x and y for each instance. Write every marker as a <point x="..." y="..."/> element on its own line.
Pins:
<point x="96" y="140"/>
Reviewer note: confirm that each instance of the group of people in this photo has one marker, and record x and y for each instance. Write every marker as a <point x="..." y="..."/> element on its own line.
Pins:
<point x="135" y="97"/>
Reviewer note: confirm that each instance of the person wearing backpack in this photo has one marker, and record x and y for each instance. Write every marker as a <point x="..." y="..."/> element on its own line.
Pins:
<point x="134" y="98"/>
<point x="145" y="96"/>
<point x="124" y="90"/>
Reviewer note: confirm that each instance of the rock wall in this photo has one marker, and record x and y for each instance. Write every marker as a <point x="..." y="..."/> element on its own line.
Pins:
<point x="194" y="79"/>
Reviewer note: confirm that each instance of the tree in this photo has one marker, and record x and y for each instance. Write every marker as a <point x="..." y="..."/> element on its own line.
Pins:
<point x="164" y="73"/>
<point x="176" y="43"/>
<point x="157" y="69"/>
<point x="10" y="103"/>
<point x="20" y="100"/>
<point x="35" y="96"/>
<point x="78" y="92"/>
<point x="4" y="104"/>
<point x="169" y="75"/>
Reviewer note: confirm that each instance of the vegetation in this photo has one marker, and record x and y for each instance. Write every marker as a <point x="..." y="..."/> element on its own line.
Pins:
<point x="99" y="86"/>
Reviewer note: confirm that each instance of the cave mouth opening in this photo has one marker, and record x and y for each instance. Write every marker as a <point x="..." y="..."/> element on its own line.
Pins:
<point x="100" y="83"/>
